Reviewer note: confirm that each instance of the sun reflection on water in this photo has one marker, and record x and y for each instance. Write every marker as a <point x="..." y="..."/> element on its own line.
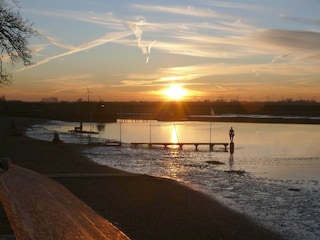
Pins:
<point x="174" y="137"/>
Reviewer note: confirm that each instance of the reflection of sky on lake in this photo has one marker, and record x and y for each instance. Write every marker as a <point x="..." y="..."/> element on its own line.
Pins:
<point x="281" y="151"/>
<point x="275" y="158"/>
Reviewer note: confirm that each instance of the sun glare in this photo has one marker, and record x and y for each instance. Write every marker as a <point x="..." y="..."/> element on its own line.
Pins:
<point x="175" y="92"/>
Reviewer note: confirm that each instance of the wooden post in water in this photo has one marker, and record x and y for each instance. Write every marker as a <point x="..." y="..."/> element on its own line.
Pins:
<point x="210" y="135"/>
<point x="120" y="129"/>
<point x="150" y="134"/>
<point x="231" y="147"/>
<point x="212" y="114"/>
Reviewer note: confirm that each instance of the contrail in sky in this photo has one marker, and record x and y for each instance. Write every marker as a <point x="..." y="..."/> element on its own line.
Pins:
<point x="149" y="50"/>
<point x="281" y="57"/>
<point x="57" y="43"/>
<point x="109" y="37"/>
<point x="137" y="31"/>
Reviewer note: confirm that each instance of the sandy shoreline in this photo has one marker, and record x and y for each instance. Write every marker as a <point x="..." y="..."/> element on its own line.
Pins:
<point x="141" y="206"/>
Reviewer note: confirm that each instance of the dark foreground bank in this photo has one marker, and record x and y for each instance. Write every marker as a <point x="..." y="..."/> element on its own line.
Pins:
<point x="143" y="207"/>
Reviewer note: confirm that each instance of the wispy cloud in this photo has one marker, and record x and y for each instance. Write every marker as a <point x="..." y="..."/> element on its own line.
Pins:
<point x="66" y="78"/>
<point x="238" y="69"/>
<point x="192" y="39"/>
<point x="181" y="10"/>
<point x="283" y="56"/>
<point x="298" y="40"/>
<point x="302" y="45"/>
<point x="304" y="20"/>
<point x="57" y="43"/>
<point x="76" y="84"/>
<point x="38" y="48"/>
<point x="227" y="4"/>
<point x="204" y="74"/>
<point x="137" y="31"/>
<point x="102" y="19"/>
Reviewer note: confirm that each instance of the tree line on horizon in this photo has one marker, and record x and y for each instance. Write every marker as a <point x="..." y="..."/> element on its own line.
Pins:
<point x="167" y="111"/>
<point x="55" y="100"/>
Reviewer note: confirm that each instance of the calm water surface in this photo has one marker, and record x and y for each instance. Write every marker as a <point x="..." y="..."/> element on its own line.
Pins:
<point x="279" y="164"/>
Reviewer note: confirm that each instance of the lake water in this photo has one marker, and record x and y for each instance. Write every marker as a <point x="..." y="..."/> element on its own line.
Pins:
<point x="276" y="167"/>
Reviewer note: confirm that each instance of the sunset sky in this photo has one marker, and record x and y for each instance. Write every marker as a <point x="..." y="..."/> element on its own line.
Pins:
<point x="135" y="50"/>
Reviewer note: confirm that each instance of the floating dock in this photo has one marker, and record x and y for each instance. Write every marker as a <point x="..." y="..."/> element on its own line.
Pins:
<point x="166" y="144"/>
<point x="83" y="132"/>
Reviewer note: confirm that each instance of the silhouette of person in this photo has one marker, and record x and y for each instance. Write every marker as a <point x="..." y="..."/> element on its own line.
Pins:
<point x="231" y="134"/>
<point x="56" y="138"/>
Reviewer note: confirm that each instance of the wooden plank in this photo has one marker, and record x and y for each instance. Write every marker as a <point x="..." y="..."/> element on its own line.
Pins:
<point x="40" y="208"/>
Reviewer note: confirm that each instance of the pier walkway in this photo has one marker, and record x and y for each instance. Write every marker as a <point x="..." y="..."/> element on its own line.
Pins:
<point x="166" y="144"/>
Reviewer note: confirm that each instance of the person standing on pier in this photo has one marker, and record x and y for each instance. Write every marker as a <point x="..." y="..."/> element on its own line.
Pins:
<point x="231" y="134"/>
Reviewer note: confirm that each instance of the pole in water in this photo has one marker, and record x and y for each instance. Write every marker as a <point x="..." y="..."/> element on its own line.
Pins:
<point x="150" y="131"/>
<point x="120" y="129"/>
<point x="210" y="132"/>
<point x="231" y="147"/>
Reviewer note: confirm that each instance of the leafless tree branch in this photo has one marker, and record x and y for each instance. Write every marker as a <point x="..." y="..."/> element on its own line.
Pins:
<point x="14" y="34"/>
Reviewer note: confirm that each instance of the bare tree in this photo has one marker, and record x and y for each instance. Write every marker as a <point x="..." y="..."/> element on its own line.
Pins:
<point x="14" y="32"/>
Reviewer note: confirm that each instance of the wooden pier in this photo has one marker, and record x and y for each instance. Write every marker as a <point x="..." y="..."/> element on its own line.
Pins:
<point x="106" y="144"/>
<point x="166" y="144"/>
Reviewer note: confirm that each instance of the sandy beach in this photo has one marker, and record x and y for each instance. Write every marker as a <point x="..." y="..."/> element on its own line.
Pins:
<point x="141" y="206"/>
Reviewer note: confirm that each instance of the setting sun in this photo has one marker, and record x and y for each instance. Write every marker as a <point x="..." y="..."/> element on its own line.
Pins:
<point x="175" y="92"/>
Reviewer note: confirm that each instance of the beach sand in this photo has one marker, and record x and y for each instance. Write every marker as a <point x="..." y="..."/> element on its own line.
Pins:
<point x="141" y="206"/>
